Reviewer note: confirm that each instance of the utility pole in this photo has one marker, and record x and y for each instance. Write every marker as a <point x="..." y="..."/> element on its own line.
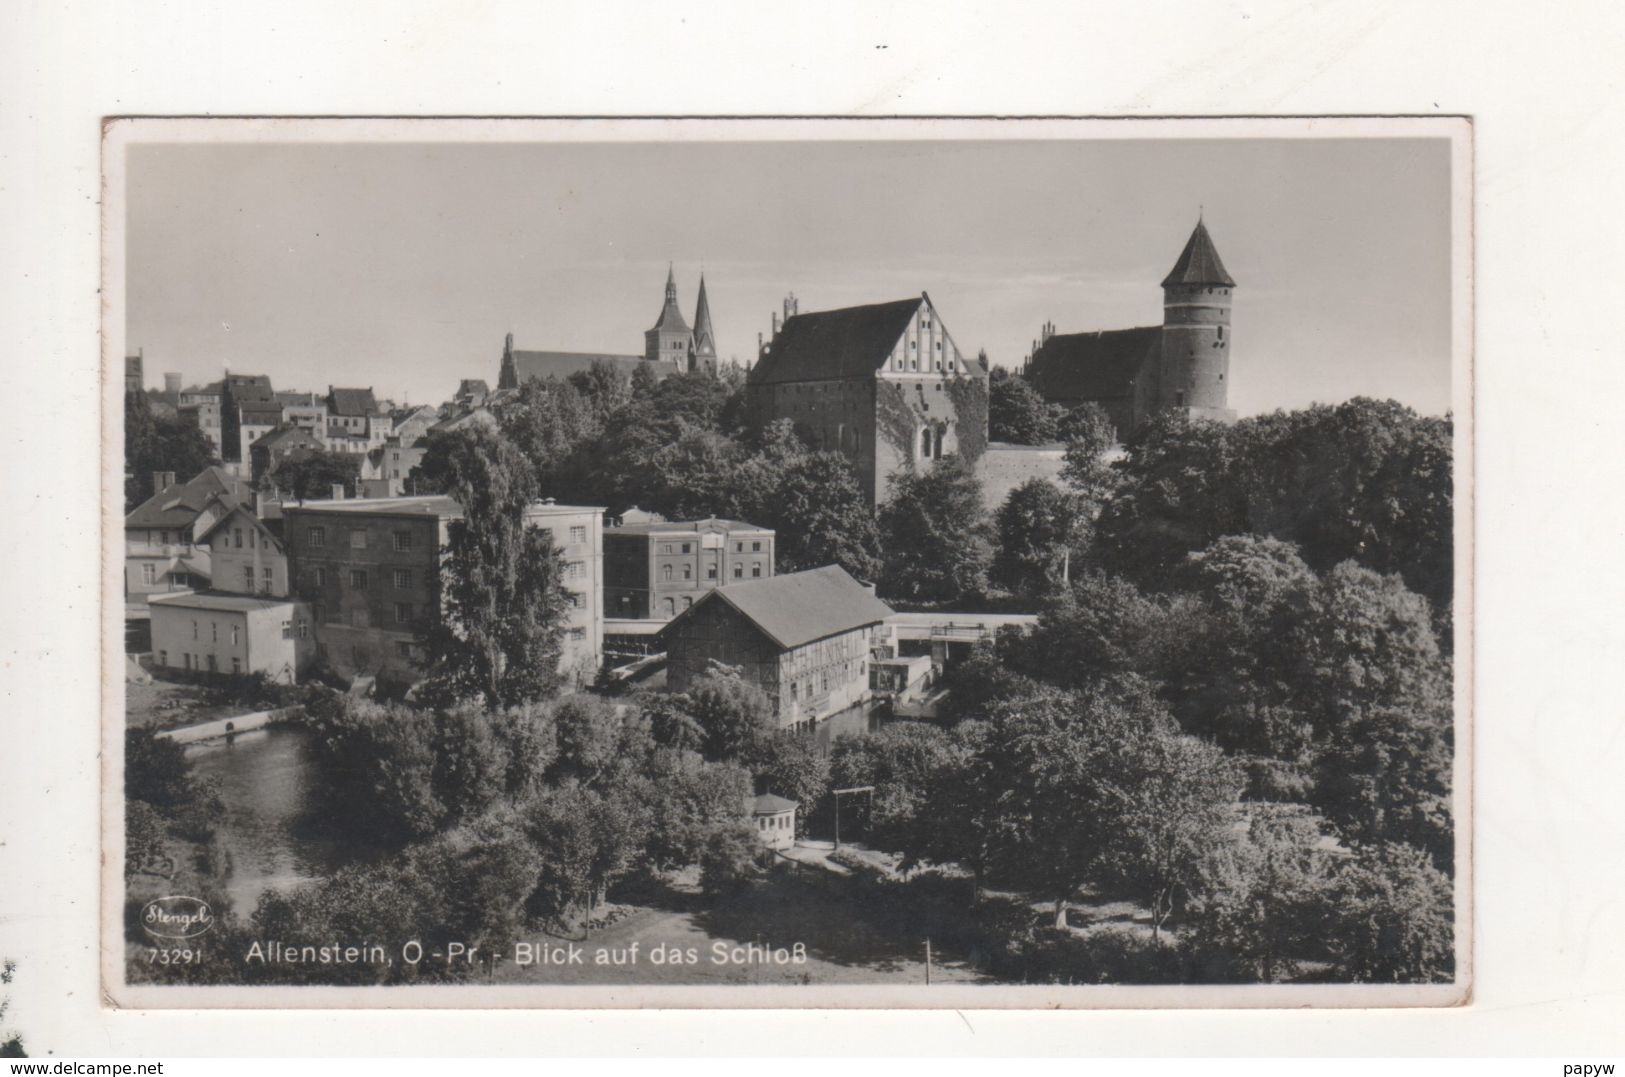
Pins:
<point x="928" y="962"/>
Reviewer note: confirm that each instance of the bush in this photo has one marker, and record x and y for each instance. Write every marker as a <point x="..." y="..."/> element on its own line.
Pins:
<point x="730" y="859"/>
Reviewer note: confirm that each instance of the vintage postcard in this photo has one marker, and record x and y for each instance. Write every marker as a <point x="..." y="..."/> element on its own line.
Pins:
<point x="787" y="563"/>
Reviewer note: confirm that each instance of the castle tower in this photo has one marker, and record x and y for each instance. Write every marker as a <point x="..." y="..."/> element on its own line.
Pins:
<point x="671" y="339"/>
<point x="1195" y="363"/>
<point x="703" y="355"/>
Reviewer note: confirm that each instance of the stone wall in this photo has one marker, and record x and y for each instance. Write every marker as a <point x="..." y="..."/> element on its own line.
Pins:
<point x="1004" y="467"/>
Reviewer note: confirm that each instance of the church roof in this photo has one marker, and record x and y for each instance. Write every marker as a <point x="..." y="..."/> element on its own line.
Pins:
<point x="528" y="365"/>
<point x="671" y="318"/>
<point x="801" y="607"/>
<point x="1092" y="366"/>
<point x="705" y="340"/>
<point x="828" y="344"/>
<point x="1199" y="262"/>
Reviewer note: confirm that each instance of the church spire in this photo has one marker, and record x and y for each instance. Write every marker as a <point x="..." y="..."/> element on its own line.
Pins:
<point x="705" y="340"/>
<point x="671" y="319"/>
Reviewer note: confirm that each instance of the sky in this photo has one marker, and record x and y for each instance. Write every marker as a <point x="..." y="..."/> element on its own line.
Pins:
<point x="402" y="266"/>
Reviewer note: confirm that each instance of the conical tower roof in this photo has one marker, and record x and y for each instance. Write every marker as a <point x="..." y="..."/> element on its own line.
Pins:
<point x="1199" y="262"/>
<point x="671" y="319"/>
<point x="705" y="341"/>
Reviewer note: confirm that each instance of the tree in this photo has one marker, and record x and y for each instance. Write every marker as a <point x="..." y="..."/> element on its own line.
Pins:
<point x="821" y="517"/>
<point x="728" y="861"/>
<point x="935" y="534"/>
<point x="1100" y="626"/>
<point x="1016" y="413"/>
<point x="790" y="765"/>
<point x="548" y="423"/>
<point x="690" y="800"/>
<point x="586" y="839"/>
<point x="1042" y="531"/>
<point x="1265" y="901"/>
<point x="1395" y="921"/>
<point x="11" y="1044"/>
<point x="378" y="764"/>
<point x="1086" y="423"/>
<point x="497" y="606"/>
<point x="158" y="443"/>
<point x="902" y="761"/>
<point x="1379" y="693"/>
<point x="732" y="714"/>
<point x="313" y="473"/>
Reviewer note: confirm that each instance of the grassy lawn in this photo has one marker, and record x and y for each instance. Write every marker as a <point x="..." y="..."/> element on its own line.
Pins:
<point x="842" y="943"/>
<point x="166" y="704"/>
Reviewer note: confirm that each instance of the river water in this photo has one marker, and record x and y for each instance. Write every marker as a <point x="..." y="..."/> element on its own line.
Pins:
<point x="264" y="778"/>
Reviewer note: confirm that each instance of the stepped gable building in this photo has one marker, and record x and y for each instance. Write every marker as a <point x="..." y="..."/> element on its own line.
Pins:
<point x="875" y="383"/>
<point x="805" y="639"/>
<point x="669" y="347"/>
<point x="1181" y="365"/>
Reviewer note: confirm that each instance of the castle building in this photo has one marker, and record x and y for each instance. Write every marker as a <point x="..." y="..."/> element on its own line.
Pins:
<point x="1181" y="365"/>
<point x="882" y="384"/>
<point x="669" y="347"/>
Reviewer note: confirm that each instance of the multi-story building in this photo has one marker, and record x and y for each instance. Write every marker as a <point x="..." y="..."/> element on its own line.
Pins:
<point x="219" y="632"/>
<point x="202" y="406"/>
<point x="410" y="427"/>
<point x="355" y="422"/>
<point x="391" y="463"/>
<point x="308" y="411"/>
<point x="284" y="443"/>
<point x="658" y="570"/>
<point x="805" y="638"/>
<point x="249" y="410"/>
<point x="246" y="554"/>
<point x="365" y="566"/>
<point x="885" y="385"/>
<point x="164" y="547"/>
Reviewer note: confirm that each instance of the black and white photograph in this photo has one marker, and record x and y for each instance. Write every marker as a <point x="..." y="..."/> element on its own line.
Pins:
<point x="782" y="563"/>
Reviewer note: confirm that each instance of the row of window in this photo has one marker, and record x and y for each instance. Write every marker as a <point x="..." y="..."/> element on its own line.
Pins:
<point x="201" y="662"/>
<point x="358" y="578"/>
<point x="266" y="582"/>
<point x="711" y="571"/>
<point x="316" y="538"/>
<point x="688" y="547"/>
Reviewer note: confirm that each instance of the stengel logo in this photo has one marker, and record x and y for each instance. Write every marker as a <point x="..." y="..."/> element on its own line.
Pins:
<point x="177" y="917"/>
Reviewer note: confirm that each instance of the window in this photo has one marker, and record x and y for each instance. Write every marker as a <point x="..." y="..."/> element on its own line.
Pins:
<point x="358" y="578"/>
<point x="237" y="537"/>
<point x="188" y="660"/>
<point x="574" y="569"/>
<point x="318" y="576"/>
<point x="665" y="572"/>
<point x="1179" y="399"/>
<point x="265" y="578"/>
<point x="939" y="442"/>
<point x="688" y="547"/>
<point x="1221" y="332"/>
<point x="304" y="629"/>
<point x="149" y="573"/>
<point x="403" y="540"/>
<point x="578" y="634"/>
<point x="739" y="572"/>
<point x="756" y="568"/>
<point x="248" y="577"/>
<point x="578" y="534"/>
<point x="687" y="601"/>
<point x="403" y="578"/>
<point x="925" y="442"/>
<point x="315" y="536"/>
<point x="756" y="547"/>
<point x="403" y="613"/>
<point x="403" y="649"/>
<point x="236" y="665"/>
<point x="795" y="690"/>
<point x="358" y="538"/>
<point x="710" y="572"/>
<point x="671" y="607"/>
<point x="739" y="547"/>
<point x="214" y="632"/>
<point x="665" y="547"/>
<point x="213" y="666"/>
<point x="575" y="599"/>
<point x="251" y="539"/>
<point x="688" y="572"/>
<point x="194" y="630"/>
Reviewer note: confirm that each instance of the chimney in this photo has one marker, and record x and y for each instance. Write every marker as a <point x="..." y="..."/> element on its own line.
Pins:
<point x="162" y="480"/>
<point x="338" y="491"/>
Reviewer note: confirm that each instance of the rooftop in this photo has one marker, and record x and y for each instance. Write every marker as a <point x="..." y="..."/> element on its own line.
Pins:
<point x="768" y="804"/>
<point x="437" y="505"/>
<point x="217" y="600"/>
<point x="180" y="505"/>
<point x="1092" y="366"/>
<point x="800" y="607"/>
<point x="686" y="527"/>
<point x="1199" y="262"/>
<point x="828" y="344"/>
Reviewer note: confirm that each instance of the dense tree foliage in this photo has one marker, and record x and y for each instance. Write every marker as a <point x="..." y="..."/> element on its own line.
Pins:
<point x="158" y="443"/>
<point x="935" y="534"/>
<point x="1016" y="413"/>
<point x="496" y="617"/>
<point x="1368" y="481"/>
<point x="1042" y="531"/>
<point x="1394" y="921"/>
<point x="313" y="474"/>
